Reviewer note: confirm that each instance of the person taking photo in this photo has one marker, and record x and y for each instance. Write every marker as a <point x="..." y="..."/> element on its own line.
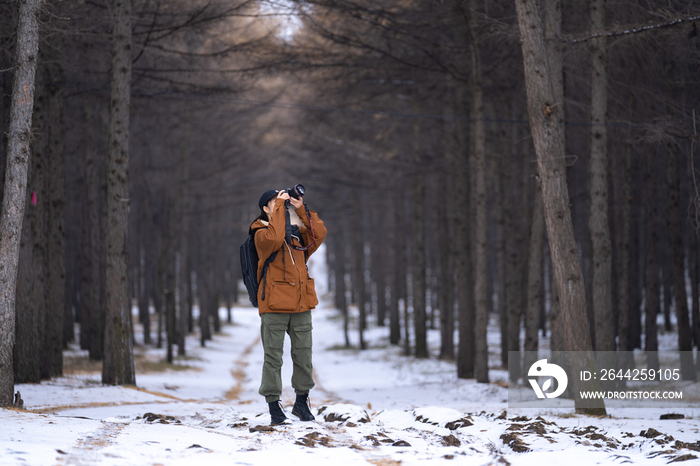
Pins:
<point x="291" y="232"/>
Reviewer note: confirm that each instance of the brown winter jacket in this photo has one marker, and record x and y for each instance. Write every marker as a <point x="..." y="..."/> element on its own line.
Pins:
<point x="287" y="286"/>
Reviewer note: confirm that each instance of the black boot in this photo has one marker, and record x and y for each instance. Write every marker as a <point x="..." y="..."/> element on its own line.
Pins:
<point x="276" y="414"/>
<point x="301" y="408"/>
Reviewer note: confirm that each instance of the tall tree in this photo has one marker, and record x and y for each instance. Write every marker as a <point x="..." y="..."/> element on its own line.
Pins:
<point x="534" y="278"/>
<point x="398" y="280"/>
<point x="418" y="251"/>
<point x="461" y="241"/>
<point x="445" y="277"/>
<point x="358" y="245"/>
<point x="604" y="337"/>
<point x="14" y="190"/>
<point x="56" y="190"/>
<point x="651" y="279"/>
<point x="546" y="113"/>
<point x="118" y="366"/>
<point x="685" y="335"/>
<point x="478" y="163"/>
<point x="31" y="343"/>
<point x="36" y="216"/>
<point x="90" y="310"/>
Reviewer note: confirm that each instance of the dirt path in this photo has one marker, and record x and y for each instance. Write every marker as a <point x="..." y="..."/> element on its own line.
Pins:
<point x="239" y="371"/>
<point x="88" y="449"/>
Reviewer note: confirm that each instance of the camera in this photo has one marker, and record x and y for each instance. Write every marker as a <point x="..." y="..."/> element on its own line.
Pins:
<point x="297" y="191"/>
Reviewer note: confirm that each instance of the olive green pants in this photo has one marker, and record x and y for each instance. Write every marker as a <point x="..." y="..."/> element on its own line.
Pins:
<point x="298" y="326"/>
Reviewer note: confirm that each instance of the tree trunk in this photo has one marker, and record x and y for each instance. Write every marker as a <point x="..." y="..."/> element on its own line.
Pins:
<point x="158" y="297"/>
<point x="359" y="272"/>
<point x="543" y="69"/>
<point x="598" y="216"/>
<point x="418" y="274"/>
<point x="205" y="297"/>
<point x="190" y="295"/>
<point x="144" y="314"/>
<point x="461" y="242"/>
<point x="693" y="262"/>
<point x="183" y="241"/>
<point x="215" y="298"/>
<point x="170" y="318"/>
<point x="182" y="299"/>
<point x="92" y="321"/>
<point x="398" y="281"/>
<point x="637" y="255"/>
<point x="31" y="289"/>
<point x="666" y="268"/>
<point x="478" y="163"/>
<point x="56" y="251"/>
<point x="14" y="189"/>
<point x="204" y="317"/>
<point x="445" y="278"/>
<point x="27" y="343"/>
<point x="556" y="342"/>
<point x="651" y="286"/>
<point x="378" y="261"/>
<point x="685" y="336"/>
<point x="622" y="268"/>
<point x="514" y="257"/>
<point x="695" y="296"/>
<point x="380" y="274"/>
<point x="37" y="216"/>
<point x="534" y="278"/>
<point x="340" y="264"/>
<point x="118" y="366"/>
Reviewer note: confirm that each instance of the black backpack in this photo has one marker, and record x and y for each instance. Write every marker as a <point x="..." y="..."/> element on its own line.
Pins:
<point x="249" y="267"/>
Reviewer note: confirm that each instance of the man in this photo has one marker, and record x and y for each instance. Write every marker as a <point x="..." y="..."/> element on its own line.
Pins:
<point x="286" y="294"/>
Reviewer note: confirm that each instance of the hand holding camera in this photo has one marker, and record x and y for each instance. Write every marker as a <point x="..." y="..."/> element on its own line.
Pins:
<point x="294" y="195"/>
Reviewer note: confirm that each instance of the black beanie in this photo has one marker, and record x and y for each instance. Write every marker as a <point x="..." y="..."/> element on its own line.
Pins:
<point x="265" y="198"/>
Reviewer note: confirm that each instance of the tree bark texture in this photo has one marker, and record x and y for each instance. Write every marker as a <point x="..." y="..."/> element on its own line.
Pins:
<point x="637" y="256"/>
<point x="622" y="268"/>
<point x="31" y="285"/>
<point x="378" y="261"/>
<point x="461" y="242"/>
<point x="183" y="242"/>
<point x="651" y="285"/>
<point x="360" y="267"/>
<point x="14" y="189"/>
<point x="694" y="262"/>
<point x="56" y="251"/>
<point x="513" y="257"/>
<point x="685" y="336"/>
<point x="481" y="356"/>
<point x="27" y="349"/>
<point x="546" y="114"/>
<point x="118" y="366"/>
<point x="445" y="279"/>
<point x="666" y="269"/>
<point x="144" y="314"/>
<point x="90" y="312"/>
<point x="340" y="263"/>
<point x="418" y="274"/>
<point x="398" y="281"/>
<point x="37" y="218"/>
<point x="534" y="277"/>
<point x="598" y="184"/>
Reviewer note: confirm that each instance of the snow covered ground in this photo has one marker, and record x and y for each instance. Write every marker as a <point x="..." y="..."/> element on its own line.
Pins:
<point x="374" y="406"/>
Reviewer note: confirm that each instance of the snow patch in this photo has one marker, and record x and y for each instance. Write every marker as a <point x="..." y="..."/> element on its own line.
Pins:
<point x="342" y="412"/>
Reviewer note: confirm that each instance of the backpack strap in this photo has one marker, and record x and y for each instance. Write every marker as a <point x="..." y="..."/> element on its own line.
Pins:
<point x="270" y="258"/>
<point x="264" y="273"/>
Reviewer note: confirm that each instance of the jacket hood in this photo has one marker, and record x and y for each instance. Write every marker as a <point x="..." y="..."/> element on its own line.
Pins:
<point x="258" y="223"/>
